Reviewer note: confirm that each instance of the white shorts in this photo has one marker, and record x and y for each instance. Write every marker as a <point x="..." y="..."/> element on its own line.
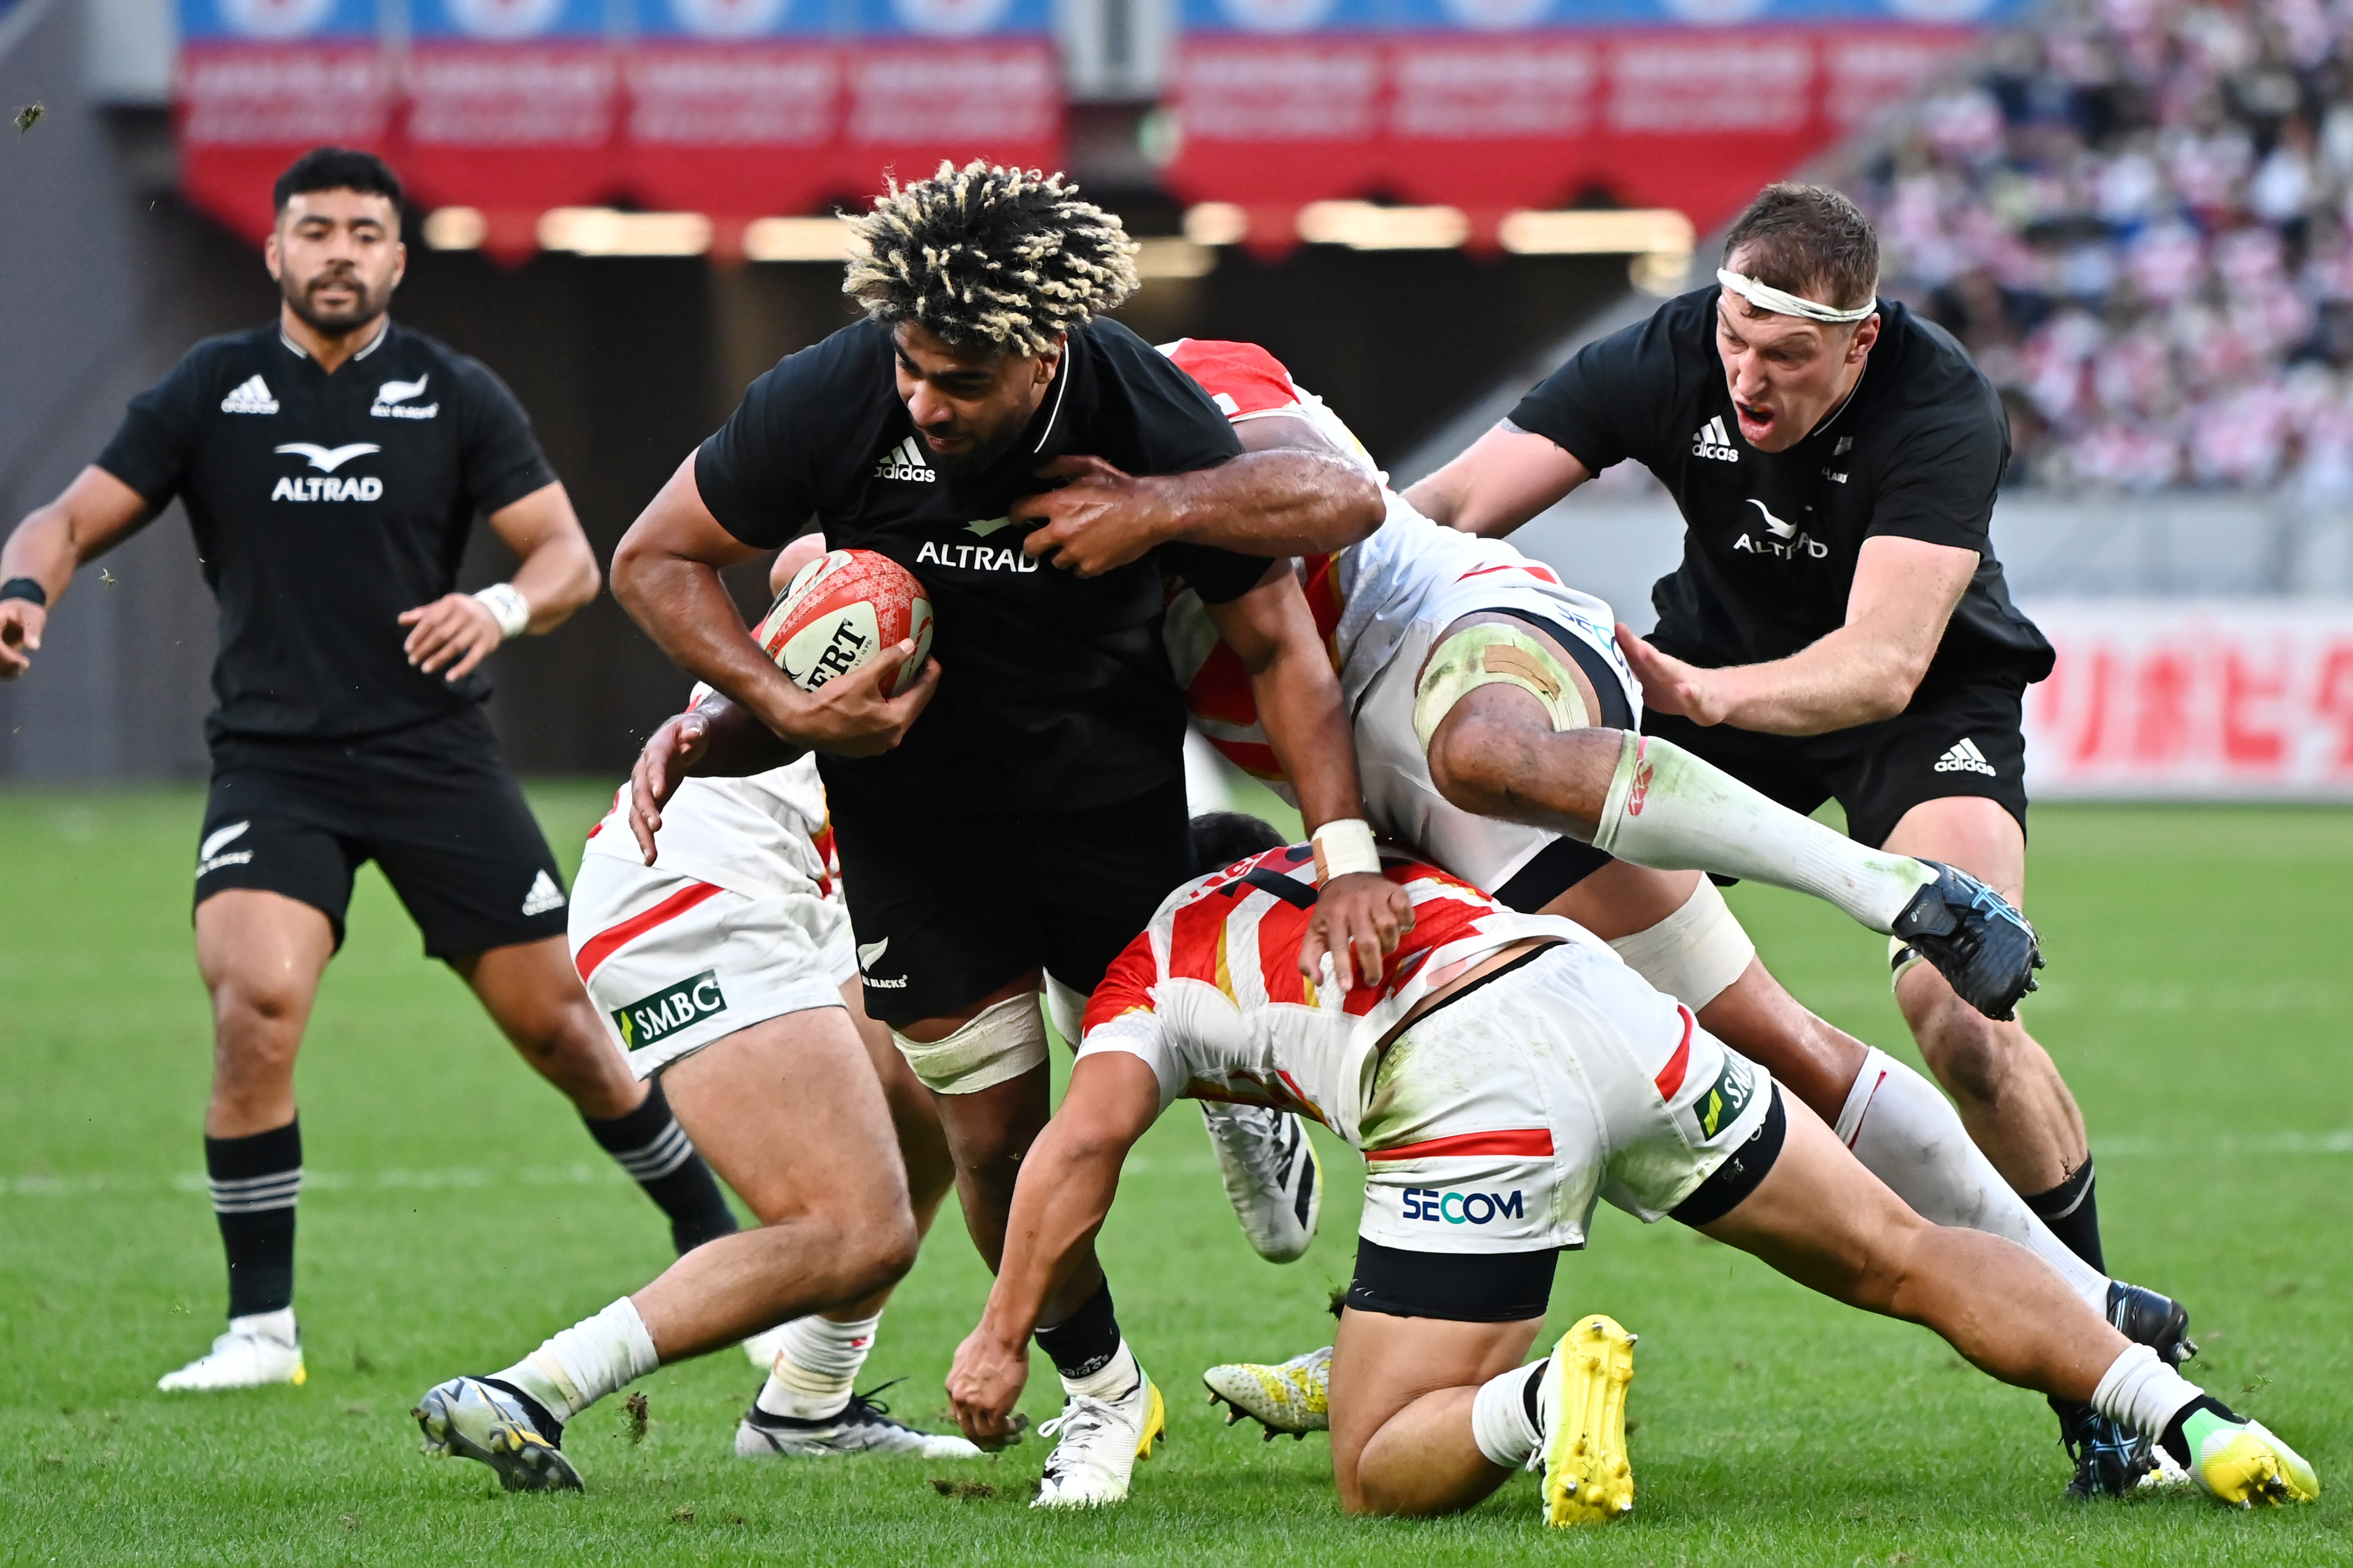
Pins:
<point x="1402" y="801"/>
<point x="1497" y="1120"/>
<point x="674" y="963"/>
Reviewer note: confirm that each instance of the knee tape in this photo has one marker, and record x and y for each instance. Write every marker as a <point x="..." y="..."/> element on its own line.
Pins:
<point x="1490" y="655"/>
<point x="1695" y="953"/>
<point x="999" y="1043"/>
<point x="1067" y="1010"/>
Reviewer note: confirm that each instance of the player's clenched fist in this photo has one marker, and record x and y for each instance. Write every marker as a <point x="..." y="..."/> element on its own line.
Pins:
<point x="21" y="621"/>
<point x="1359" y="920"/>
<point x="850" y="715"/>
<point x="984" y="1384"/>
<point x="456" y="630"/>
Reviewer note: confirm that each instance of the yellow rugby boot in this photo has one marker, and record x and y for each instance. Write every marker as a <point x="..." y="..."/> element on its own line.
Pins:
<point x="1587" y="1478"/>
<point x="2242" y="1463"/>
<point x="1294" y="1396"/>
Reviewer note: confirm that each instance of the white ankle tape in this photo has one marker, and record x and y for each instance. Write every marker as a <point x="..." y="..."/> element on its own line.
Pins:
<point x="1001" y="1042"/>
<point x="1499" y="1419"/>
<point x="1694" y="954"/>
<point x="2142" y="1392"/>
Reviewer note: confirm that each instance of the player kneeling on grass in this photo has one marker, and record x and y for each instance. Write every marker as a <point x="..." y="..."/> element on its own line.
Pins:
<point x="1507" y="1071"/>
<point x="725" y="963"/>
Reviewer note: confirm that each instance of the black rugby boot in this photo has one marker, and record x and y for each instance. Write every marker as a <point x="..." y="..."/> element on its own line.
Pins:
<point x="1976" y="940"/>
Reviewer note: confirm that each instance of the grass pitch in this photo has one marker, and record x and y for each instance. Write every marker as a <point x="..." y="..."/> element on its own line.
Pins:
<point x="456" y="1212"/>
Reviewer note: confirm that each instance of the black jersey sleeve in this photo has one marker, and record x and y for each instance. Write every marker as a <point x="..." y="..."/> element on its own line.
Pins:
<point x="1610" y="401"/>
<point x="499" y="460"/>
<point x="1941" y="473"/>
<point x="762" y="473"/>
<point x="1178" y="430"/>
<point x="156" y="442"/>
<point x="1219" y="576"/>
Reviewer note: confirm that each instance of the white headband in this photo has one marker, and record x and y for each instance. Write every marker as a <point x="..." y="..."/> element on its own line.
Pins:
<point x="1765" y="297"/>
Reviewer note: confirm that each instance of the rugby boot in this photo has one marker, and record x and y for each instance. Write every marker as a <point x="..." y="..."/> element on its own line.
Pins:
<point x="2242" y="1463"/>
<point x="1273" y="1176"/>
<point x="1976" y="940"/>
<point x="1294" y="1396"/>
<point x="1097" y="1443"/>
<point x="2145" y="1318"/>
<point x="2111" y="1459"/>
<point x="259" y="1350"/>
<point x="498" y="1424"/>
<point x="864" y="1426"/>
<point x="1582" y="1408"/>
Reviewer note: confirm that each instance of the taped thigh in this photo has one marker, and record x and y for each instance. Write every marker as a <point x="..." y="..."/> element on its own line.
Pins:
<point x="997" y="1043"/>
<point x="1694" y="954"/>
<point x="1492" y="655"/>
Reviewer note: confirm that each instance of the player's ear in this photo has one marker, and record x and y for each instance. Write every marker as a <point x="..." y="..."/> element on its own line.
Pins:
<point x="1866" y="332"/>
<point x="1047" y="361"/>
<point x="269" y="257"/>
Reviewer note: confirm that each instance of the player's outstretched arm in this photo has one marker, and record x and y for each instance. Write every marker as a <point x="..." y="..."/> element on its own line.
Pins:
<point x="1904" y="593"/>
<point x="1068" y="1180"/>
<point x="89" y="517"/>
<point x="1359" y="916"/>
<point x="1506" y="478"/>
<point x="557" y="575"/>
<point x="666" y="574"/>
<point x="1285" y="499"/>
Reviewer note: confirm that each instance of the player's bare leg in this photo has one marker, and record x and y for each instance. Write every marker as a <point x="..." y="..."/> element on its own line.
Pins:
<point x="533" y="994"/>
<point x="1402" y="1390"/>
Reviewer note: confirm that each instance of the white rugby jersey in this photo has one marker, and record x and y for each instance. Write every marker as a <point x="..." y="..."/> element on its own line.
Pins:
<point x="1363" y="598"/>
<point x="759" y="836"/>
<point x="1210" y="995"/>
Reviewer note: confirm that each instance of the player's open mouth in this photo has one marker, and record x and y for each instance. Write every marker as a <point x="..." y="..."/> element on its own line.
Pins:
<point x="1754" y="422"/>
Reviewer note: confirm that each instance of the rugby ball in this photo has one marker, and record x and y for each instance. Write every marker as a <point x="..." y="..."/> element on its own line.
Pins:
<point x="842" y="609"/>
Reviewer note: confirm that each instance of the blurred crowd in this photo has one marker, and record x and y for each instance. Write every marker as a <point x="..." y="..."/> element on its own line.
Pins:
<point x="2139" y="218"/>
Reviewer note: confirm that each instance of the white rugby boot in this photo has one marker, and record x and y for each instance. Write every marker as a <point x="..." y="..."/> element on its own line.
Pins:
<point x="1097" y="1443"/>
<point x="259" y="1350"/>
<point x="864" y="1426"/>
<point x="500" y="1426"/>
<point x="1294" y="1396"/>
<point x="1273" y="1177"/>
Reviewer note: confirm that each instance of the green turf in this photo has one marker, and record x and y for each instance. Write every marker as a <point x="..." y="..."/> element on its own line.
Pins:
<point x="457" y="1213"/>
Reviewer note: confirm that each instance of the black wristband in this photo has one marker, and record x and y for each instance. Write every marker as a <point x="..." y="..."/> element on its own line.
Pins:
<point x="24" y="588"/>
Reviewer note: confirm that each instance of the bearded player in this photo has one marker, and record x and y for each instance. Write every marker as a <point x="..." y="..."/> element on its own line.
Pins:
<point x="1512" y="1069"/>
<point x="1425" y="620"/>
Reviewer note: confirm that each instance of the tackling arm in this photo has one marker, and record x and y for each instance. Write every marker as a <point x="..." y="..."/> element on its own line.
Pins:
<point x="1904" y="594"/>
<point x="1506" y="478"/>
<point x="90" y="517"/>
<point x="1068" y="1180"/>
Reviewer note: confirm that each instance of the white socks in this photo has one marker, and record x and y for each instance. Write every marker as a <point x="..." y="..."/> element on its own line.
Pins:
<point x="278" y="1326"/>
<point x="1669" y="810"/>
<point x="1909" y="1136"/>
<point x="1500" y="1422"/>
<point x="2142" y="1392"/>
<point x="587" y="1361"/>
<point x="817" y="1361"/>
<point x="1113" y="1378"/>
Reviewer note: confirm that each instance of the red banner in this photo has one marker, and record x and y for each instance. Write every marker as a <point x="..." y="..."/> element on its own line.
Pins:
<point x="910" y="104"/>
<point x="247" y="110"/>
<point x="512" y="130"/>
<point x="740" y="132"/>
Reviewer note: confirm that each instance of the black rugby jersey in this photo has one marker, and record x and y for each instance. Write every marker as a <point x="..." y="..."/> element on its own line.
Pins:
<point x="1771" y="541"/>
<point x="323" y="507"/>
<point x="1055" y="690"/>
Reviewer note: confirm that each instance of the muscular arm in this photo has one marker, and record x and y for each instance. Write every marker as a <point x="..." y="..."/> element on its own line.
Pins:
<point x="1506" y="478"/>
<point x="556" y="574"/>
<point x="90" y="517"/>
<point x="1068" y="1180"/>
<point x="1904" y="594"/>
<point x="666" y="574"/>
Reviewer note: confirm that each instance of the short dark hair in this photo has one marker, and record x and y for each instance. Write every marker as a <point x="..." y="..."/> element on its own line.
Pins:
<point x="990" y="257"/>
<point x="1809" y="241"/>
<point x="336" y="169"/>
<point x="1223" y="837"/>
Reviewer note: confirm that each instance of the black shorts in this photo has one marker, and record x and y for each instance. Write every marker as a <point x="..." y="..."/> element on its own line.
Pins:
<point x="948" y="908"/>
<point x="432" y="804"/>
<point x="1965" y="741"/>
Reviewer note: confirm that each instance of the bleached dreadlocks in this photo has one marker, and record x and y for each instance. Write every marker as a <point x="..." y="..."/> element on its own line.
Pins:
<point x="988" y="256"/>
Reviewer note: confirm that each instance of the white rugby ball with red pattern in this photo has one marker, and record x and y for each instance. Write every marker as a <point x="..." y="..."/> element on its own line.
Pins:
<point x="842" y="609"/>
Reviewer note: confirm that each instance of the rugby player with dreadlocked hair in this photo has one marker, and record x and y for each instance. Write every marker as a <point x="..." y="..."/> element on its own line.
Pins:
<point x="982" y="417"/>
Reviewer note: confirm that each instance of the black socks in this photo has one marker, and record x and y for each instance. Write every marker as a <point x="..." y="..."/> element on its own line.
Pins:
<point x="654" y="1149"/>
<point x="254" y="1182"/>
<point x="1083" y="1343"/>
<point x="2176" y="1440"/>
<point x="2073" y="1211"/>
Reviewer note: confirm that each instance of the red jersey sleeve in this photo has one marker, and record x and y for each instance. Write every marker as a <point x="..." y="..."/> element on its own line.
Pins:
<point x="1242" y="379"/>
<point x="1126" y="986"/>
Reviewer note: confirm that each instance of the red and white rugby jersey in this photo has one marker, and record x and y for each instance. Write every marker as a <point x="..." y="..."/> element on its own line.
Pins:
<point x="1210" y="995"/>
<point x="1363" y="598"/>
<point x="765" y="834"/>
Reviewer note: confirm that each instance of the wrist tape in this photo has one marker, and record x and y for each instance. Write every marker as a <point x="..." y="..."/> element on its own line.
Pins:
<point x="1345" y="847"/>
<point x="508" y="607"/>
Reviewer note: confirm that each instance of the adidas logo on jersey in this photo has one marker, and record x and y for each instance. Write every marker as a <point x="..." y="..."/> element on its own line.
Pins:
<point x="906" y="462"/>
<point x="1712" y="440"/>
<point x="544" y="897"/>
<point x="1965" y="758"/>
<point x="252" y="395"/>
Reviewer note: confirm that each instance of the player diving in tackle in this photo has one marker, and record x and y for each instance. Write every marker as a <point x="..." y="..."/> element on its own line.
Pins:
<point x="1511" y="1070"/>
<point x="1464" y="659"/>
